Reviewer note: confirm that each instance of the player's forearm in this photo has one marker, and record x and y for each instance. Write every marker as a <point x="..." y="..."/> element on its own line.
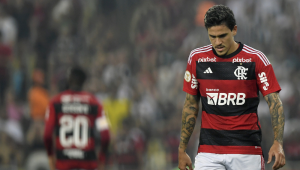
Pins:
<point x="189" y="117"/>
<point x="277" y="115"/>
<point x="51" y="160"/>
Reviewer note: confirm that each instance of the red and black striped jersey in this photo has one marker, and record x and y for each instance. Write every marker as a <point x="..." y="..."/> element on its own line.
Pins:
<point x="229" y="88"/>
<point x="73" y="117"/>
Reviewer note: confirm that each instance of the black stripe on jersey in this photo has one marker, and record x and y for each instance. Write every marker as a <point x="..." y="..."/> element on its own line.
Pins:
<point x="90" y="131"/>
<point x="250" y="106"/>
<point x="93" y="109"/>
<point x="230" y="137"/>
<point x="223" y="70"/>
<point x="77" y="154"/>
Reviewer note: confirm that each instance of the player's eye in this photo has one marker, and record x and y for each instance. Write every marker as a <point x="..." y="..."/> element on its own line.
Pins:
<point x="222" y="36"/>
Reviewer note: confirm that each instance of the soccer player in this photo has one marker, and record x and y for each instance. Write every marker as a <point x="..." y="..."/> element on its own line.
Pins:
<point x="227" y="76"/>
<point x="73" y="116"/>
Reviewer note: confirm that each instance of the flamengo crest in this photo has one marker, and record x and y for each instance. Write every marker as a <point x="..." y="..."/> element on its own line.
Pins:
<point x="240" y="73"/>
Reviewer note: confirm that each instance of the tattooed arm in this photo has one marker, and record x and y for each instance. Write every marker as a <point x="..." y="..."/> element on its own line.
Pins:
<point x="277" y="118"/>
<point x="189" y="116"/>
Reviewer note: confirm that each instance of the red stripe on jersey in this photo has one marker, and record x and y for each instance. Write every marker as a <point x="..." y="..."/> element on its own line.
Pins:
<point x="242" y="122"/>
<point x="75" y="164"/>
<point x="253" y="150"/>
<point x="248" y="87"/>
<point x="262" y="57"/>
<point x="90" y="145"/>
<point x="199" y="50"/>
<point x="259" y="52"/>
<point x="208" y="47"/>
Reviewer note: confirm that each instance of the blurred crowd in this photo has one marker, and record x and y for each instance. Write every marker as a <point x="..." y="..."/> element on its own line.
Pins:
<point x="135" y="53"/>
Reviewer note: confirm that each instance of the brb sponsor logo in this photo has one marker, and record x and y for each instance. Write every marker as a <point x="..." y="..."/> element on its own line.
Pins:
<point x="263" y="79"/>
<point x="241" y="60"/>
<point x="225" y="98"/>
<point x="207" y="59"/>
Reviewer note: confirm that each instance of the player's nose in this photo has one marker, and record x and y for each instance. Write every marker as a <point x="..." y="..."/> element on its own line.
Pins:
<point x="218" y="42"/>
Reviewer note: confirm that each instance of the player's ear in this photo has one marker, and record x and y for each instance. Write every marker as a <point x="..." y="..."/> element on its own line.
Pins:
<point x="234" y="30"/>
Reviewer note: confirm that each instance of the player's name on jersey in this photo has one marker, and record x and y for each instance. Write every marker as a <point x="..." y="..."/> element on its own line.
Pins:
<point x="74" y="98"/>
<point x="75" y="108"/>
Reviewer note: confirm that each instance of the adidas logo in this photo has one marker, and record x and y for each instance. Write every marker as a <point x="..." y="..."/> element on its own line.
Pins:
<point x="208" y="70"/>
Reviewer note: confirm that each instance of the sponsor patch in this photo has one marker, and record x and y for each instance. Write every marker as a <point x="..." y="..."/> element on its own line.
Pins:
<point x="263" y="79"/>
<point x="194" y="84"/>
<point x="239" y="60"/>
<point x="225" y="98"/>
<point x="207" y="59"/>
<point x="187" y="76"/>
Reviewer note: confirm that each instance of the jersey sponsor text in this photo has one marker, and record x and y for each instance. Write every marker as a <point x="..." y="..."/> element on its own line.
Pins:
<point x="263" y="79"/>
<point x="194" y="84"/>
<point x="225" y="99"/>
<point x="241" y="60"/>
<point x="207" y="59"/>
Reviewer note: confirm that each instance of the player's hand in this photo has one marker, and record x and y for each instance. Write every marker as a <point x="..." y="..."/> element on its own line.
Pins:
<point x="101" y="166"/>
<point x="277" y="151"/>
<point x="184" y="160"/>
<point x="52" y="161"/>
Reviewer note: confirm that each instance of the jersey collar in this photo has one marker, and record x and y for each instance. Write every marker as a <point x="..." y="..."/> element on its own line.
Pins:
<point x="232" y="54"/>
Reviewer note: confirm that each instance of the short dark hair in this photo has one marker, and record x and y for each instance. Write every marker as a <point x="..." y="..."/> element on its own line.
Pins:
<point x="218" y="15"/>
<point x="77" y="76"/>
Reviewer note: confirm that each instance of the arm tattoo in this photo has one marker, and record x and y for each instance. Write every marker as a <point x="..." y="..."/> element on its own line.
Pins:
<point x="190" y="124"/>
<point x="189" y="116"/>
<point x="277" y="115"/>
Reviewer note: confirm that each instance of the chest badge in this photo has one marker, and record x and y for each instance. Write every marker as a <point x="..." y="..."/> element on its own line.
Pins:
<point x="240" y="73"/>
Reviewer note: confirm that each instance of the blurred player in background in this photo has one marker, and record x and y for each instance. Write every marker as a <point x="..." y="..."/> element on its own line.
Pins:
<point x="73" y="116"/>
<point x="227" y="76"/>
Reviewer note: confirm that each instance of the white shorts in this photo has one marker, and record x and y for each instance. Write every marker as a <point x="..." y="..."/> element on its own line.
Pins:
<point x="211" y="161"/>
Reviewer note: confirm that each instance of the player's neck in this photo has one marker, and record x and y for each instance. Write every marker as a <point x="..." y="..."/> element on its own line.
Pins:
<point x="233" y="48"/>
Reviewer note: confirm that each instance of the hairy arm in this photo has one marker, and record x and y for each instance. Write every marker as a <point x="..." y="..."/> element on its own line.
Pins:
<point x="277" y="115"/>
<point x="189" y="116"/>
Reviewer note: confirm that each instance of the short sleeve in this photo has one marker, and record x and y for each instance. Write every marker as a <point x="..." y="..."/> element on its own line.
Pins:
<point x="190" y="83"/>
<point x="266" y="79"/>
